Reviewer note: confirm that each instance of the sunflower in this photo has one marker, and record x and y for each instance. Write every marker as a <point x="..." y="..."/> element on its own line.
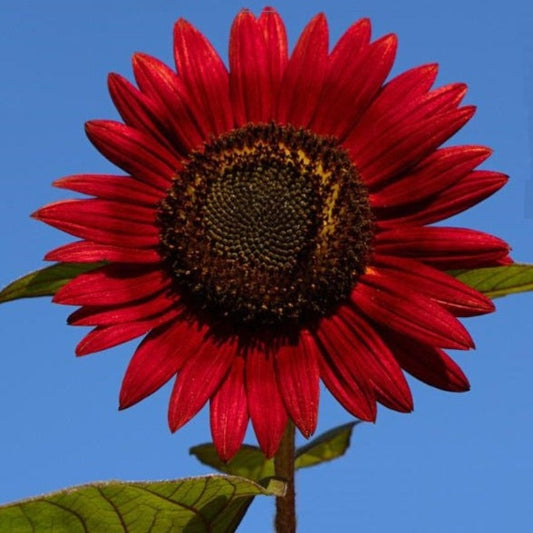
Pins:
<point x="274" y="229"/>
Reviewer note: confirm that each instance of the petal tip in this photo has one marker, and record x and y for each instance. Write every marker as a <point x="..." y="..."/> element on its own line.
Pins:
<point x="468" y="111"/>
<point x="91" y="127"/>
<point x="60" y="183"/>
<point x="56" y="299"/>
<point x="245" y="12"/>
<point x="50" y="256"/>
<point x="82" y="349"/>
<point x="182" y="25"/>
<point x="391" y="40"/>
<point x="125" y="399"/>
<point x="113" y="79"/>
<point x="307" y="432"/>
<point x="140" y="59"/>
<point x="432" y="68"/>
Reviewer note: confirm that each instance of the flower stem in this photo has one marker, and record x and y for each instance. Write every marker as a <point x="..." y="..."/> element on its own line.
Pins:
<point x="284" y="468"/>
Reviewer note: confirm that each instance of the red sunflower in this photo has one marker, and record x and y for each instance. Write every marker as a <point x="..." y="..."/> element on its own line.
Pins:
<point x="274" y="229"/>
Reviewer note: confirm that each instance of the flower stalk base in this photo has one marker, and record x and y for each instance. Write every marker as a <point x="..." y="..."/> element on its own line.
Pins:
<point x="284" y="468"/>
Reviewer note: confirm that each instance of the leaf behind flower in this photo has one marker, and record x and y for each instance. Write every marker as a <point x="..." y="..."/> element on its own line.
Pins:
<point x="495" y="282"/>
<point x="326" y="447"/>
<point x="44" y="282"/>
<point x="250" y="462"/>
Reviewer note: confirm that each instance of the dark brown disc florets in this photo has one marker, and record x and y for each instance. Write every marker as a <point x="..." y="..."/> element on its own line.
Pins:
<point x="267" y="224"/>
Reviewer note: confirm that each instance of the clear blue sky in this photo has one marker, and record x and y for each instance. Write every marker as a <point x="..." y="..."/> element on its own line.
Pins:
<point x="459" y="463"/>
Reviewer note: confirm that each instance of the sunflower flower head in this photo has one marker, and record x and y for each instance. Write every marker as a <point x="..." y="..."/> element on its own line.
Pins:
<point x="274" y="228"/>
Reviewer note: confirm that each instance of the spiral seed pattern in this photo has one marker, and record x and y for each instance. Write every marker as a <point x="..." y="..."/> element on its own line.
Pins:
<point x="266" y="224"/>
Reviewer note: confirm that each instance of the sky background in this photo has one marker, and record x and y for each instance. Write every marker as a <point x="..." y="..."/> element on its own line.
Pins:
<point x="459" y="463"/>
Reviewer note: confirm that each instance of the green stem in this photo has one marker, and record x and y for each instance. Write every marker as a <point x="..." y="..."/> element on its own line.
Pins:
<point x="284" y="467"/>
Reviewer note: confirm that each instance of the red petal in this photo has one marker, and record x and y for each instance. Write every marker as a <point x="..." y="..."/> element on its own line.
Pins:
<point x="298" y="379"/>
<point x="400" y="93"/>
<point x="351" y="389"/>
<point x="276" y="47"/>
<point x="387" y="302"/>
<point x="405" y="88"/>
<point x="204" y="75"/>
<point x="396" y="148"/>
<point x="302" y="83"/>
<point x="199" y="378"/>
<point x="105" y="316"/>
<point x="268" y="414"/>
<point x="354" y="78"/>
<point x="507" y="260"/>
<point x="467" y="192"/>
<point x="102" y="221"/>
<point x="186" y="123"/>
<point x="391" y="109"/>
<point x="117" y="188"/>
<point x="136" y="109"/>
<point x="103" y="337"/>
<point x="229" y="412"/>
<point x="135" y="152"/>
<point x="90" y="252"/>
<point x="159" y="356"/>
<point x="354" y="41"/>
<point x="428" y="364"/>
<point x="113" y="285"/>
<point x="371" y="358"/>
<point x="444" y="248"/>
<point x="135" y="214"/>
<point x="434" y="174"/>
<point x="251" y="93"/>
<point x="455" y="296"/>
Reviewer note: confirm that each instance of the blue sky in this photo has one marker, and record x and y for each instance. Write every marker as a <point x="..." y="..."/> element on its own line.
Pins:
<point x="458" y="463"/>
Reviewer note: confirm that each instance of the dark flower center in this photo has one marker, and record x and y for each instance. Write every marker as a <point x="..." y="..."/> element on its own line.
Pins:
<point x="267" y="224"/>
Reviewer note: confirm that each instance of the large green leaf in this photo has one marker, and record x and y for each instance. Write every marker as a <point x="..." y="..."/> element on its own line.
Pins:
<point x="498" y="281"/>
<point x="250" y="462"/>
<point x="44" y="282"/>
<point x="192" y="505"/>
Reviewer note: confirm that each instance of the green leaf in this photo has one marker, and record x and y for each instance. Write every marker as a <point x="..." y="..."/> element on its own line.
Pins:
<point x="251" y="463"/>
<point x="192" y="505"/>
<point x="498" y="281"/>
<point x="326" y="447"/>
<point x="44" y="282"/>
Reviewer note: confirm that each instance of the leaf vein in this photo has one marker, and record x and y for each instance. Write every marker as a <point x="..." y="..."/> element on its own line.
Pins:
<point x="23" y="511"/>
<point x="173" y="502"/>
<point x="112" y="504"/>
<point x="71" y="511"/>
